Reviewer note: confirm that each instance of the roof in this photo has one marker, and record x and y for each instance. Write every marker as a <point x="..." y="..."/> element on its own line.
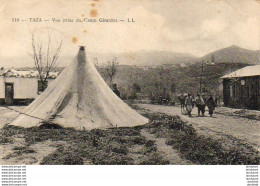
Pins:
<point x="245" y="72"/>
<point x="25" y="73"/>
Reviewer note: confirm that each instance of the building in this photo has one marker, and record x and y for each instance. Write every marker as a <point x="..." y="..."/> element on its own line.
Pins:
<point x="18" y="87"/>
<point x="241" y="89"/>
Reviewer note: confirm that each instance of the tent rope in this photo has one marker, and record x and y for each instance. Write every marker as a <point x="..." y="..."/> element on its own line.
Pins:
<point x="23" y="114"/>
<point x="34" y="117"/>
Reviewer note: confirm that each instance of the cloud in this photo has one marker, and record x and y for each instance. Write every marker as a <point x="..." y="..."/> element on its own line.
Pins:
<point x="211" y="27"/>
<point x="150" y="31"/>
<point x="248" y="32"/>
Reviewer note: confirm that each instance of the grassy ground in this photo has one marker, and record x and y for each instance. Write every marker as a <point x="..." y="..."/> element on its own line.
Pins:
<point x="106" y="147"/>
<point x="127" y="146"/>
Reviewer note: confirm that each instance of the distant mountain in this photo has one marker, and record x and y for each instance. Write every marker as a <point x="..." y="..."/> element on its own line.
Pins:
<point x="145" y="58"/>
<point x="233" y="54"/>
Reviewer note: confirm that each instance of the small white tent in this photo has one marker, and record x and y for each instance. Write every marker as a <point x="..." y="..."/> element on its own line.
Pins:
<point x="81" y="99"/>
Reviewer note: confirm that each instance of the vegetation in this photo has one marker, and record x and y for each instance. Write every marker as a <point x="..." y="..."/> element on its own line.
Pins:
<point x="105" y="147"/>
<point x="166" y="81"/>
<point x="109" y="70"/>
<point x="18" y="151"/>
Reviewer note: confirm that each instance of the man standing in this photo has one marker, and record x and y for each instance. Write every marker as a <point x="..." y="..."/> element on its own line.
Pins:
<point x="182" y="102"/>
<point x="211" y="104"/>
<point x="188" y="104"/>
<point x="115" y="90"/>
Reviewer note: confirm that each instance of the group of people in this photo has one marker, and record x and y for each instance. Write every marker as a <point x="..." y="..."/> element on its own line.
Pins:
<point x="200" y="101"/>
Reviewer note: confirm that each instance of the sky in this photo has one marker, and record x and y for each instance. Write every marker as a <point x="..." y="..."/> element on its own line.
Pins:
<point x="187" y="26"/>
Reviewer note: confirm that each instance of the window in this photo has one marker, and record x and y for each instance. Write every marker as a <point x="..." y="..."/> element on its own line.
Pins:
<point x="243" y="82"/>
<point x="41" y="87"/>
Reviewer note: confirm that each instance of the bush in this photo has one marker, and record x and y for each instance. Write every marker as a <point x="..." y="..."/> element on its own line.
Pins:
<point x="4" y="140"/>
<point x="63" y="157"/>
<point x="155" y="159"/>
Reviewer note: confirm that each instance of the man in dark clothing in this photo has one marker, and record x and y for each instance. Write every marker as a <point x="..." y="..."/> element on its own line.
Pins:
<point x="211" y="105"/>
<point x="115" y="90"/>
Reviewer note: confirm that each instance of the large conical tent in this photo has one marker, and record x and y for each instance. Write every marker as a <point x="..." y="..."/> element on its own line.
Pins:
<point x="81" y="99"/>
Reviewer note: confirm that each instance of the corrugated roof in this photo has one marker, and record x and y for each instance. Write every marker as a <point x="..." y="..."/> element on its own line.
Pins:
<point x="245" y="72"/>
<point x="25" y="73"/>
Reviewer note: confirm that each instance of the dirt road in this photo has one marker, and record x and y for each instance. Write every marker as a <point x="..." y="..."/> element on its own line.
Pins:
<point x="218" y="126"/>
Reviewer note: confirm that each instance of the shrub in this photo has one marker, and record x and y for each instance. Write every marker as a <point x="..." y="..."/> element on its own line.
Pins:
<point x="62" y="157"/>
<point x="154" y="159"/>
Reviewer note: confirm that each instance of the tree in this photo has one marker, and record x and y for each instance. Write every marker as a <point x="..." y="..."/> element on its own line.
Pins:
<point x="173" y="88"/>
<point x="46" y="51"/>
<point x="111" y="69"/>
<point x="136" y="88"/>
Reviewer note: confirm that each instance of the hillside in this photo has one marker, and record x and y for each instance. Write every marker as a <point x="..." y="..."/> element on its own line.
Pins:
<point x="172" y="79"/>
<point x="233" y="54"/>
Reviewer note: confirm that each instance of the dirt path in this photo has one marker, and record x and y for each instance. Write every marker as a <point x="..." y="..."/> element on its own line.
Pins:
<point x="18" y="153"/>
<point x="166" y="151"/>
<point x="218" y="126"/>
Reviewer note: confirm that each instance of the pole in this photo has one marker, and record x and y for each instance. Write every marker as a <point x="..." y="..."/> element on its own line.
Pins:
<point x="201" y="74"/>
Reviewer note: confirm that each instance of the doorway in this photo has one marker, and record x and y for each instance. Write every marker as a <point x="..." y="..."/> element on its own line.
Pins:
<point x="9" y="93"/>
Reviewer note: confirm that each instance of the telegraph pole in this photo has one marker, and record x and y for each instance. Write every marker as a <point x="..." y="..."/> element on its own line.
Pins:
<point x="201" y="74"/>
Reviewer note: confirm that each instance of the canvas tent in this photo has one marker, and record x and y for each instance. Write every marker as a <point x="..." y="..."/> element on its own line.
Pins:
<point x="81" y="99"/>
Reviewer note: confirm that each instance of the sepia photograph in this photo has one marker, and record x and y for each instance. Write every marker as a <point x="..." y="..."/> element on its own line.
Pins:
<point x="130" y="82"/>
